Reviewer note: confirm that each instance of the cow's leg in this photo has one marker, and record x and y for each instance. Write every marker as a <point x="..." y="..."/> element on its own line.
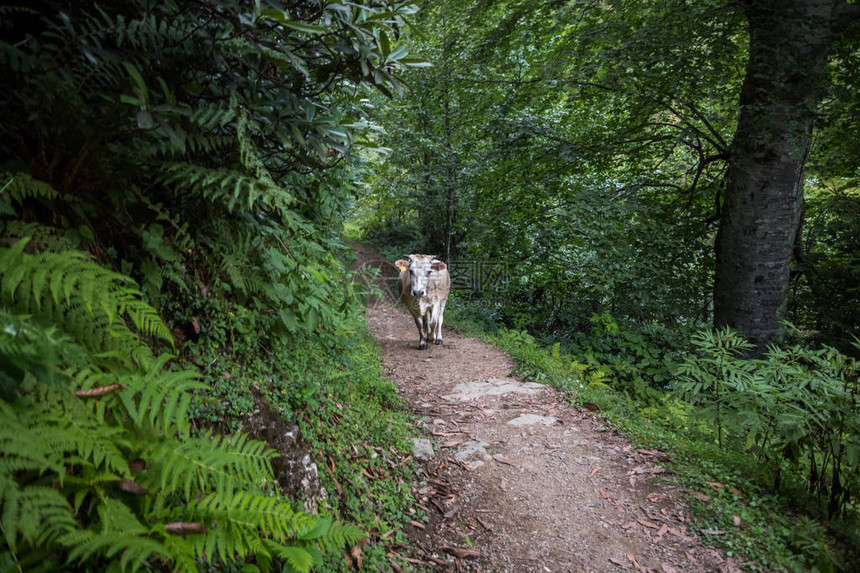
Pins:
<point x="425" y="333"/>
<point x="437" y="337"/>
<point x="434" y="331"/>
<point x="422" y="339"/>
<point x="431" y="323"/>
<point x="420" y="322"/>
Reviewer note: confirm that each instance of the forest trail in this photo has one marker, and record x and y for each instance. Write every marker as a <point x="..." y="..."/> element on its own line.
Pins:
<point x="519" y="480"/>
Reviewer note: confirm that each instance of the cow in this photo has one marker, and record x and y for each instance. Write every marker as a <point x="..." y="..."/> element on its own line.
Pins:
<point x="424" y="287"/>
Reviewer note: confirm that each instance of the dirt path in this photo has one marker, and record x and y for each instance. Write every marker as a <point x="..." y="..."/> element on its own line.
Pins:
<point x="519" y="480"/>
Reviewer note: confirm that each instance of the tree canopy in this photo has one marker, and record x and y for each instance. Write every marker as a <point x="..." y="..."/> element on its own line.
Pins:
<point x="596" y="148"/>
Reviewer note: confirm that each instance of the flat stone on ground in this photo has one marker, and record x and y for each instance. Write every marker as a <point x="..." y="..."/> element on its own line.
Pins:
<point x="472" y="449"/>
<point x="492" y="387"/>
<point x="532" y="419"/>
<point x="422" y="448"/>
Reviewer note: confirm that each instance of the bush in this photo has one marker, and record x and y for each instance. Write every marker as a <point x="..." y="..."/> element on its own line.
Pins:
<point x="796" y="409"/>
<point x="99" y="462"/>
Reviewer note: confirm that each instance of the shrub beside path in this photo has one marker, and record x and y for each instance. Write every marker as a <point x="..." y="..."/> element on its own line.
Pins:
<point x="517" y="479"/>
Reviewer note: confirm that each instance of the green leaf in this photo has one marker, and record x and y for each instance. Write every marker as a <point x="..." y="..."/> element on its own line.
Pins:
<point x="415" y="62"/>
<point x="397" y="53"/>
<point x="142" y="92"/>
<point x="280" y="16"/>
<point x="384" y="44"/>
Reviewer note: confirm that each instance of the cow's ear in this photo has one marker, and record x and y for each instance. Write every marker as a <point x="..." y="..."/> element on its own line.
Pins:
<point x="401" y="264"/>
<point x="438" y="266"/>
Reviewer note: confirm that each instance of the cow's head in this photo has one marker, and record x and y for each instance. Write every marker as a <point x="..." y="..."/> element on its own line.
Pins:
<point x="420" y="267"/>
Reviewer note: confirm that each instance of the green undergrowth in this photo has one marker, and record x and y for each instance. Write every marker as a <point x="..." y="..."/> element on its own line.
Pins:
<point x="360" y="434"/>
<point x="727" y="485"/>
<point x="351" y="420"/>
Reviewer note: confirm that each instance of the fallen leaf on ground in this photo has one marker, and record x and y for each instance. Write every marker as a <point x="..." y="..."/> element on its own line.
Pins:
<point x="355" y="553"/>
<point x="461" y="552"/>
<point x="647" y="523"/>
<point x="407" y="559"/>
<point x="736" y="520"/>
<point x="594" y="471"/>
<point x="418" y="524"/>
<point x="182" y="528"/>
<point x="132" y="486"/>
<point x="646" y="470"/>
<point x="634" y="562"/>
<point x="502" y="459"/>
<point x="700" y="496"/>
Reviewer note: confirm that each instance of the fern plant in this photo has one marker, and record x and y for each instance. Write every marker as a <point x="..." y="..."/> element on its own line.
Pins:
<point x="99" y="464"/>
<point x="199" y="153"/>
<point x="796" y="409"/>
<point x="714" y="377"/>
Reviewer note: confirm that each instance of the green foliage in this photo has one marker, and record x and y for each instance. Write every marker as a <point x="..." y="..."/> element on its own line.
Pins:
<point x="351" y="420"/>
<point x="99" y="463"/>
<point x="599" y="181"/>
<point x="795" y="409"/>
<point x="202" y="151"/>
<point x="597" y="136"/>
<point x="357" y="427"/>
<point x="715" y="378"/>
<point x="826" y="296"/>
<point x="53" y="283"/>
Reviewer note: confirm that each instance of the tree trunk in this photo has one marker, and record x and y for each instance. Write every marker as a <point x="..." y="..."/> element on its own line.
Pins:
<point x="789" y="41"/>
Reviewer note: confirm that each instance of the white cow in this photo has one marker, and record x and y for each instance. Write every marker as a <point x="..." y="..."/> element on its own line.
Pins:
<point x="424" y="287"/>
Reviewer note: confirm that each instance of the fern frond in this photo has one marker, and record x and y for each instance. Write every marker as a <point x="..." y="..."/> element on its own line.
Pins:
<point x="225" y="464"/>
<point x="297" y="557"/>
<point x="19" y="187"/>
<point x="232" y="189"/>
<point x="121" y="534"/>
<point x="246" y="523"/>
<point x="70" y="289"/>
<point x="160" y="399"/>
<point x="22" y="447"/>
<point x="42" y="237"/>
<point x="33" y="514"/>
<point x="213" y="116"/>
<point x="335" y="536"/>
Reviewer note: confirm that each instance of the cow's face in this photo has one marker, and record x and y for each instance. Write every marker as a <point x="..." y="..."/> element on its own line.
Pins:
<point x="419" y="268"/>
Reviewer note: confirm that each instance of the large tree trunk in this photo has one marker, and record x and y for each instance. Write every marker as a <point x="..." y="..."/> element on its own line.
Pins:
<point x="789" y="41"/>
